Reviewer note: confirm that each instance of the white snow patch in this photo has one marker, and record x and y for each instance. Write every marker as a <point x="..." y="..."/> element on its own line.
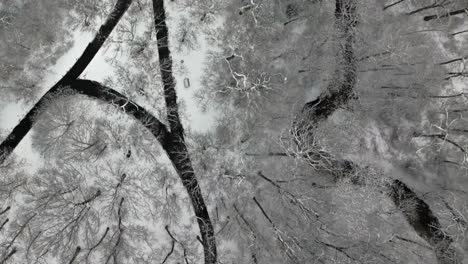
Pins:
<point x="10" y="113"/>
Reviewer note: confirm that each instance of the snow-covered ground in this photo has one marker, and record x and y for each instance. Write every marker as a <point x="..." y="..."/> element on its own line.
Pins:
<point x="99" y="69"/>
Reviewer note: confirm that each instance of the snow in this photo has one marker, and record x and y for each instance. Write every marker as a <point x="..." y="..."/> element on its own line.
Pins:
<point x="9" y="115"/>
<point x="198" y="120"/>
<point x="99" y="69"/>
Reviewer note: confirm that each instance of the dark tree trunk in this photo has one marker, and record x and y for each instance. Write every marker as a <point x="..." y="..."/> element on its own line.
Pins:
<point x="173" y="142"/>
<point x="415" y="210"/>
<point x="175" y="146"/>
<point x="107" y="95"/>
<point x="20" y="130"/>
<point x="178" y="154"/>
<point x="453" y="13"/>
<point x="340" y="91"/>
<point x="165" y="64"/>
<point x="418" y="215"/>
<point x="176" y="149"/>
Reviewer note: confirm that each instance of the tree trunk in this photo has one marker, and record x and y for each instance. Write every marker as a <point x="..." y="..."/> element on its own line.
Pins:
<point x="175" y="147"/>
<point x="453" y="13"/>
<point x="20" y="130"/>
<point x="419" y="216"/>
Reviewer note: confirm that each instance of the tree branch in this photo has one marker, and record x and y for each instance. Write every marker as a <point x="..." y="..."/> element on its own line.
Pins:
<point x="170" y="252"/>
<point x="98" y="243"/>
<point x="4" y="223"/>
<point x="20" y="130"/>
<point x="175" y="149"/>
<point x="77" y="251"/>
<point x="5" y="210"/>
<point x="165" y="64"/>
<point x="459" y="32"/>
<point x="12" y="252"/>
<point x="419" y="216"/>
<point x="436" y="4"/>
<point x="392" y="4"/>
<point x="94" y="90"/>
<point x="453" y="60"/>
<point x="173" y="142"/>
<point x="174" y="240"/>
<point x="452" y="13"/>
<point x="443" y="138"/>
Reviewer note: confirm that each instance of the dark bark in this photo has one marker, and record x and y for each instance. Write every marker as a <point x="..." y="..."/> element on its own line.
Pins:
<point x="176" y="149"/>
<point x="5" y="210"/>
<point x="165" y="64"/>
<point x="108" y="95"/>
<point x="452" y="13"/>
<point x="415" y="210"/>
<point x="77" y="251"/>
<point x="23" y="127"/>
<point x="453" y="60"/>
<point x="4" y="223"/>
<point x="173" y="142"/>
<point x="98" y="243"/>
<point x="174" y="240"/>
<point x="175" y="146"/>
<point x="340" y="90"/>
<point x="95" y="45"/>
<point x="97" y="91"/>
<point x="178" y="154"/>
<point x="434" y="5"/>
<point x="419" y="215"/>
<point x="392" y="4"/>
<point x="459" y="32"/>
<point x="12" y="252"/>
<point x="170" y="252"/>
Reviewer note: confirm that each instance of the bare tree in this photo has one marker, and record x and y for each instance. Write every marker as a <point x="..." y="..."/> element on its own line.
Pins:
<point x="309" y="143"/>
<point x="309" y="93"/>
<point x="172" y="139"/>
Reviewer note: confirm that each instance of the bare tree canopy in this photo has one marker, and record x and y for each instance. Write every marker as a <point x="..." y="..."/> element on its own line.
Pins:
<point x="311" y="131"/>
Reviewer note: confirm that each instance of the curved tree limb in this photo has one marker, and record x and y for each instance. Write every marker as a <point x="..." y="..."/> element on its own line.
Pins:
<point x="23" y="127"/>
<point x="419" y="215"/>
<point x="108" y="95"/>
<point x="175" y="149"/>
<point x="340" y="90"/>
<point x="173" y="142"/>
